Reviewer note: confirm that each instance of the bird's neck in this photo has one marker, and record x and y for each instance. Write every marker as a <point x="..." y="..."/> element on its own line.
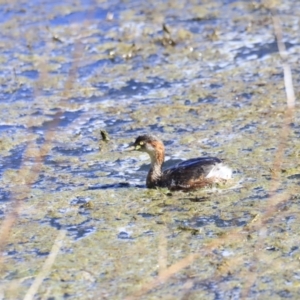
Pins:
<point x="155" y="172"/>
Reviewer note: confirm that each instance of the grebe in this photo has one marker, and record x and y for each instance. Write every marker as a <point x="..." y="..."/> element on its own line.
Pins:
<point x="187" y="175"/>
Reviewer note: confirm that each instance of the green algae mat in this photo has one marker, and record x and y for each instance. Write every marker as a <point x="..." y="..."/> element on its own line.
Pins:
<point x="80" y="80"/>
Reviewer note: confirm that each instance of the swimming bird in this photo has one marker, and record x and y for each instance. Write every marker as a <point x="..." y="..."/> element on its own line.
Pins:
<point x="188" y="175"/>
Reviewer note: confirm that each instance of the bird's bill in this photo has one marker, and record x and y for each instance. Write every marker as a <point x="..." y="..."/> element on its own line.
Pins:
<point x="132" y="147"/>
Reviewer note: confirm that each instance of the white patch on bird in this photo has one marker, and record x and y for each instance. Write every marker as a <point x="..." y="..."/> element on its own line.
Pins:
<point x="149" y="148"/>
<point x="220" y="171"/>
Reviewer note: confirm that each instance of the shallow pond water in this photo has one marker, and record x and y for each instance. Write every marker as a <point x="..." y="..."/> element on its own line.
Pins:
<point x="206" y="77"/>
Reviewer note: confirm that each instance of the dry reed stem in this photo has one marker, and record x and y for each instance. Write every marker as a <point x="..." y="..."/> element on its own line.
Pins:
<point x="28" y="175"/>
<point x="284" y="133"/>
<point x="165" y="275"/>
<point x="238" y="235"/>
<point x="46" y="266"/>
<point x="289" y="115"/>
<point x="162" y="252"/>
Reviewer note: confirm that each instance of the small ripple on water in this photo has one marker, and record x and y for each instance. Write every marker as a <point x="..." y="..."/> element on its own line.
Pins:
<point x="257" y="51"/>
<point x="202" y="221"/>
<point x="79" y="16"/>
<point x="134" y="87"/>
<point x="14" y="160"/>
<point x="109" y="186"/>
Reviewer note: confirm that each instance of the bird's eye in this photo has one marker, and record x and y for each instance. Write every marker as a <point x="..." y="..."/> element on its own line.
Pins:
<point x="142" y="143"/>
